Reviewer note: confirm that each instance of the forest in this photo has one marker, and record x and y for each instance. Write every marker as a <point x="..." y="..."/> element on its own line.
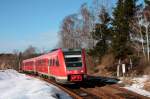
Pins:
<point x="111" y="34"/>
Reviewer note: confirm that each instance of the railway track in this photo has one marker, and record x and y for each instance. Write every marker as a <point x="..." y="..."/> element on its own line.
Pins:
<point x="76" y="93"/>
<point x="85" y="91"/>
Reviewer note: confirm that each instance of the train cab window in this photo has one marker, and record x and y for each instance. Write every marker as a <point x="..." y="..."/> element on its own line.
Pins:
<point x="73" y="60"/>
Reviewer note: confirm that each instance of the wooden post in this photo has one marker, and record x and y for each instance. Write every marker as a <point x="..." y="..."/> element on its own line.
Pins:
<point x="131" y="63"/>
<point x="118" y="68"/>
<point x="123" y="69"/>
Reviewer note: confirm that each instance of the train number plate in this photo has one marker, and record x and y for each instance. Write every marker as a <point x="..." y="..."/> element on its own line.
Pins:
<point x="76" y="78"/>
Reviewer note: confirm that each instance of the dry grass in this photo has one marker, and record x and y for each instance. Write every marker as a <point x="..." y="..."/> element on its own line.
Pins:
<point x="127" y="81"/>
<point x="107" y="60"/>
<point x="143" y="67"/>
<point x="147" y="85"/>
<point x="147" y="70"/>
<point x="103" y="72"/>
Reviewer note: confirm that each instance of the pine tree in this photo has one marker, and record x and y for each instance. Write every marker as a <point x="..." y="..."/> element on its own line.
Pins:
<point x="123" y="14"/>
<point x="147" y="2"/>
<point x="101" y="34"/>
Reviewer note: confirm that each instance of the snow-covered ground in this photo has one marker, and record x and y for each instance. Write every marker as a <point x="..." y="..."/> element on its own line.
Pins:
<point x="14" y="85"/>
<point x="138" y="84"/>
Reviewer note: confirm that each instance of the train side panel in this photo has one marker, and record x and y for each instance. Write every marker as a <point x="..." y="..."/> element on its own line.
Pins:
<point x="42" y="65"/>
<point x="58" y="70"/>
<point x="28" y="65"/>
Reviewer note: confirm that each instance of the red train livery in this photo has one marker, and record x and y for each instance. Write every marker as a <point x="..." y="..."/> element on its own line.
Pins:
<point x="65" y="65"/>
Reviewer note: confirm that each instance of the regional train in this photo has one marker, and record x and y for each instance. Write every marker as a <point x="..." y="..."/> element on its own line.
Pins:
<point x="64" y="65"/>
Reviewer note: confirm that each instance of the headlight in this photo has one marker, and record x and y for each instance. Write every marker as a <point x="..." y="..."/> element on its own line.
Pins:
<point x="82" y="71"/>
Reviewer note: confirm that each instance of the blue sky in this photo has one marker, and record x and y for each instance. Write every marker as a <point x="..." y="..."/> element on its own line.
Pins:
<point x="33" y="22"/>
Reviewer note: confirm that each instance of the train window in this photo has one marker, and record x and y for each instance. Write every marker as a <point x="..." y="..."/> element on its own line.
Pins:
<point x="53" y="62"/>
<point x="36" y="63"/>
<point x="30" y="63"/>
<point x="50" y="62"/>
<point x="43" y="62"/>
<point x="57" y="61"/>
<point x="39" y="62"/>
<point x="72" y="52"/>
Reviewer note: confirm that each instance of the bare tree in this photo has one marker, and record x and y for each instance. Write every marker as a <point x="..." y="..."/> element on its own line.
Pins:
<point x="146" y="24"/>
<point x="66" y="32"/>
<point x="141" y="26"/>
<point x="87" y="26"/>
<point x="75" y="30"/>
<point x="137" y="35"/>
<point x="29" y="52"/>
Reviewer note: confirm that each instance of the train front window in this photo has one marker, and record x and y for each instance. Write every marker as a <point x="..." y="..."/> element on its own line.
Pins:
<point x="73" y="60"/>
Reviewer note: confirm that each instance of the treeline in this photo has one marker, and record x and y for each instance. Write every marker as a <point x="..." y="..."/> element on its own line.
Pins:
<point x="13" y="60"/>
<point x="122" y="30"/>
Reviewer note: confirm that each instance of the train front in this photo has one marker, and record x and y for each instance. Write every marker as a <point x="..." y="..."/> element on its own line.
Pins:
<point x="75" y="65"/>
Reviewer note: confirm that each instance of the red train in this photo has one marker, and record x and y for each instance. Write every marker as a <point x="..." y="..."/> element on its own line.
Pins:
<point x="64" y="65"/>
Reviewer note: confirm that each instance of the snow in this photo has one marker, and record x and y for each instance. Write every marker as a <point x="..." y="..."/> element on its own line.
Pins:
<point x="138" y="84"/>
<point x="14" y="85"/>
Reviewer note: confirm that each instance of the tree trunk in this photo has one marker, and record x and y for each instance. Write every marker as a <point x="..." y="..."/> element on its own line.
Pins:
<point x="118" y="68"/>
<point x="131" y="64"/>
<point x="147" y="38"/>
<point x="143" y="48"/>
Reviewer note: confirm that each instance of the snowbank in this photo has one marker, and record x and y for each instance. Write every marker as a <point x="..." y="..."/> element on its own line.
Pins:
<point x="138" y="84"/>
<point x="14" y="85"/>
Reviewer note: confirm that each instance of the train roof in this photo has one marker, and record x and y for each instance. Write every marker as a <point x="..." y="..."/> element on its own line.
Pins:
<point x="54" y="51"/>
<point x="42" y="56"/>
<point x="28" y="60"/>
<point x="47" y="54"/>
<point x="67" y="50"/>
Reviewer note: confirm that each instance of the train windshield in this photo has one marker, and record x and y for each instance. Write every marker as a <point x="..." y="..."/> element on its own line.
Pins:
<point x="73" y="58"/>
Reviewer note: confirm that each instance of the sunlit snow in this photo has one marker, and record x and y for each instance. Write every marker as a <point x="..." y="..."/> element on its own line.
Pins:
<point x="138" y="84"/>
<point x="14" y="85"/>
